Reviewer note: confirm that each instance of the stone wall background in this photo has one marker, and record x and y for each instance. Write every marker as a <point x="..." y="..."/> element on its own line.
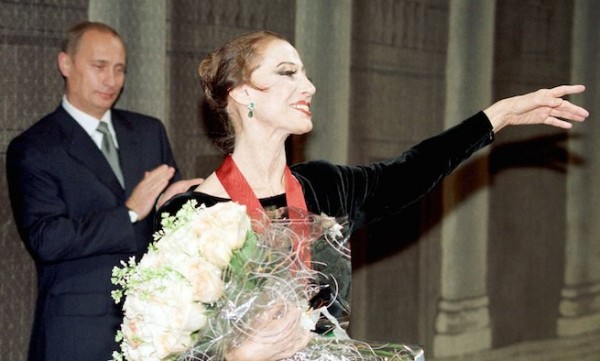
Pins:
<point x="499" y="262"/>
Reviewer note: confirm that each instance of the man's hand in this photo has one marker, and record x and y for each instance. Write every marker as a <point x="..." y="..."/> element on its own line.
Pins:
<point x="144" y="194"/>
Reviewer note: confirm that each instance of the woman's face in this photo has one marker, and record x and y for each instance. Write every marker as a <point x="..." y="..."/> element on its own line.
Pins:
<point x="283" y="93"/>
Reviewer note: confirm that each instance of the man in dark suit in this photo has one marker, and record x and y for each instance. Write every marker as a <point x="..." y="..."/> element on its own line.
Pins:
<point x="77" y="216"/>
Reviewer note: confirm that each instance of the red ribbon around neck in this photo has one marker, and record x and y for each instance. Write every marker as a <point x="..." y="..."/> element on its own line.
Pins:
<point x="239" y="190"/>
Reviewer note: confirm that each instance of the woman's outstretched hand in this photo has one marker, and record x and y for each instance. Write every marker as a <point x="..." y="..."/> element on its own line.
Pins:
<point x="545" y="106"/>
<point x="275" y="334"/>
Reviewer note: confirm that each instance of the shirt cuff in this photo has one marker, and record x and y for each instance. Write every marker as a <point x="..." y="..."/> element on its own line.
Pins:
<point x="133" y="217"/>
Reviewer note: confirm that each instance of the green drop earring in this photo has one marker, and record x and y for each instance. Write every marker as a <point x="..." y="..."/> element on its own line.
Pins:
<point x="251" y="107"/>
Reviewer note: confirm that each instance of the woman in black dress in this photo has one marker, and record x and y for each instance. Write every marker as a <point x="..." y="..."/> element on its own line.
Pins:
<point x="257" y="86"/>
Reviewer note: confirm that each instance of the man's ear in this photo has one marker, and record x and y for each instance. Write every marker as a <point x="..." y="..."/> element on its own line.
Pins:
<point x="240" y="95"/>
<point x="64" y="63"/>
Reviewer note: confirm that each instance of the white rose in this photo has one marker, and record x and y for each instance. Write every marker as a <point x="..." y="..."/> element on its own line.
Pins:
<point x="174" y="336"/>
<point x="143" y="352"/>
<point x="194" y="317"/>
<point x="214" y="249"/>
<point x="151" y="260"/>
<point x="234" y="235"/>
<point x="166" y="343"/>
<point x="229" y="218"/>
<point x="206" y="281"/>
<point x="178" y="261"/>
<point x="182" y="240"/>
<point x="134" y="306"/>
<point x="138" y="336"/>
<point x="236" y="221"/>
<point x="130" y="329"/>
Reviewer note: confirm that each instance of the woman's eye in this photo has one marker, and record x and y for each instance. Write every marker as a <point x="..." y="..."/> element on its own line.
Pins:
<point x="288" y="72"/>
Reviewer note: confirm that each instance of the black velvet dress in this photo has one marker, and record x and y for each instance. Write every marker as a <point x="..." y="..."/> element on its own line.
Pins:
<point x="366" y="193"/>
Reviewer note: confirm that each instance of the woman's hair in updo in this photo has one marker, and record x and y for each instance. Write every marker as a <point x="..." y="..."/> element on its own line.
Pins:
<point x="227" y="67"/>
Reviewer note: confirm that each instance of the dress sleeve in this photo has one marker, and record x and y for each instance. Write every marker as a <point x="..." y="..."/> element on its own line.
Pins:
<point x="383" y="188"/>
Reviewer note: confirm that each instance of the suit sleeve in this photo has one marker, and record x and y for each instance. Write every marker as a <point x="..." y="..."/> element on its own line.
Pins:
<point x="57" y="218"/>
<point x="168" y="154"/>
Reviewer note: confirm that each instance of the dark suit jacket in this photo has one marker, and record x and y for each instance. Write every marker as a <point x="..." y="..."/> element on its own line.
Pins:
<point x="69" y="210"/>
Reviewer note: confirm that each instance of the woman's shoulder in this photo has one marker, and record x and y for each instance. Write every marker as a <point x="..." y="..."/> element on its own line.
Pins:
<point x="325" y="170"/>
<point x="313" y="166"/>
<point x="322" y="175"/>
<point x="170" y="207"/>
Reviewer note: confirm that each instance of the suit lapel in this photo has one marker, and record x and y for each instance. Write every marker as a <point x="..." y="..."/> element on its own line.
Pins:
<point x="128" y="149"/>
<point x="81" y="147"/>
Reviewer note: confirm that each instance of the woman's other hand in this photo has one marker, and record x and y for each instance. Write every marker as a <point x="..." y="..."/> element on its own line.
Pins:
<point x="274" y="335"/>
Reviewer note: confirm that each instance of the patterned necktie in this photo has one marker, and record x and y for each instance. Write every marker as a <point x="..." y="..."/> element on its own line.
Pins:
<point x="110" y="151"/>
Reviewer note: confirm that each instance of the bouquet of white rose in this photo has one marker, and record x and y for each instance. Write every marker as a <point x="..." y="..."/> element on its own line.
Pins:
<point x="209" y="274"/>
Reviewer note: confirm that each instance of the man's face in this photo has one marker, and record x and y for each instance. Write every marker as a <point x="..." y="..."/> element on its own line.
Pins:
<point x="95" y="73"/>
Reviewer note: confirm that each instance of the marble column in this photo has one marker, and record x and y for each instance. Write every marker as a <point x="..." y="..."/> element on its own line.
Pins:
<point x="462" y="321"/>
<point x="323" y="36"/>
<point x="579" y="308"/>
<point x="143" y="25"/>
